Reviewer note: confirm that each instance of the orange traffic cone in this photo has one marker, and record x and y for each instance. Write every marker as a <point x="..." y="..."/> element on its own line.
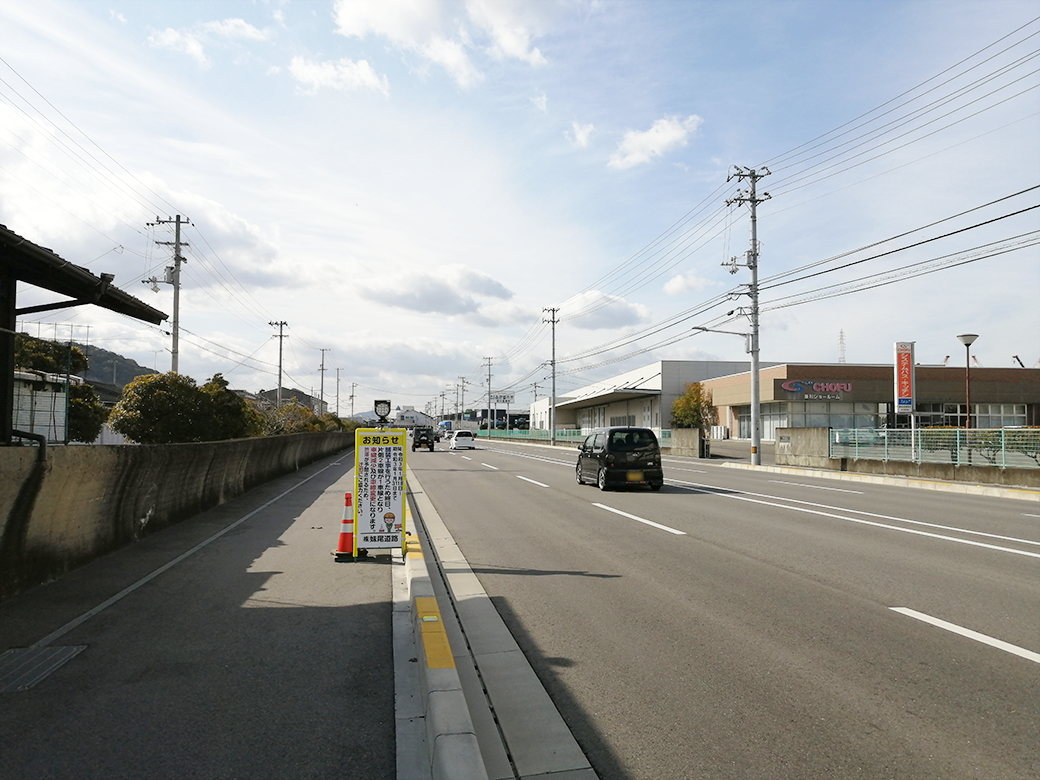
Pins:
<point x="345" y="551"/>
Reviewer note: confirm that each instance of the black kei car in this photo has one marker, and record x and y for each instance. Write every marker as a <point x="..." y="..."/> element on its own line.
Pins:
<point x="614" y="457"/>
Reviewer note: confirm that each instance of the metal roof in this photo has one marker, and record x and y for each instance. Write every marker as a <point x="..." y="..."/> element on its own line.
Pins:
<point x="24" y="261"/>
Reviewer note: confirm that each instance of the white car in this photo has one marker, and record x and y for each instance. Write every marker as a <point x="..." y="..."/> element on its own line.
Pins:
<point x="462" y="440"/>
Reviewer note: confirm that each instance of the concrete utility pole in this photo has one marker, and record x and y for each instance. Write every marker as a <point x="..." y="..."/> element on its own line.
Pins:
<point x="489" y="395"/>
<point x="552" y="404"/>
<point x="337" y="392"/>
<point x="462" y="396"/>
<point x="173" y="276"/>
<point x="280" y="336"/>
<point x="352" y="386"/>
<point x="321" y="392"/>
<point x="751" y="198"/>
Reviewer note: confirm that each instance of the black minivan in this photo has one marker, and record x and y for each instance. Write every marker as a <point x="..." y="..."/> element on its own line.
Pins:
<point x="612" y="457"/>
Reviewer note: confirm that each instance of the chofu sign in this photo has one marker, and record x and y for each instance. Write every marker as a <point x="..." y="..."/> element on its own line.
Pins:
<point x="379" y="468"/>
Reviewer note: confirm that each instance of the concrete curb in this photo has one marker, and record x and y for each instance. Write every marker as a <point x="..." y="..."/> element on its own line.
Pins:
<point x="880" y="479"/>
<point x="454" y="753"/>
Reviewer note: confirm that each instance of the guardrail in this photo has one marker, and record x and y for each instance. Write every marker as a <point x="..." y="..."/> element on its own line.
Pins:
<point x="1003" y="447"/>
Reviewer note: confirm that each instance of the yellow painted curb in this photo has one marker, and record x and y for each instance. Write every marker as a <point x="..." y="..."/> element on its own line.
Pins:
<point x="434" y="638"/>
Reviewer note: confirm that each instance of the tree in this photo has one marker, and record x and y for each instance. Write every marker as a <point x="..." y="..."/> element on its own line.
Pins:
<point x="694" y="409"/>
<point x="293" y="417"/>
<point x="232" y="418"/>
<point x="163" y="409"/>
<point x="52" y="357"/>
<point x="86" y="414"/>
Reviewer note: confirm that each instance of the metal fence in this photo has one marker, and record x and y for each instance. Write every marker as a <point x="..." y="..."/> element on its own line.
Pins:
<point x="564" y="435"/>
<point x="1005" y="447"/>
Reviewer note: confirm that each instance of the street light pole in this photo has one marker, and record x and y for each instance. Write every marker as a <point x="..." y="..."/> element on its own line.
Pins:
<point x="967" y="339"/>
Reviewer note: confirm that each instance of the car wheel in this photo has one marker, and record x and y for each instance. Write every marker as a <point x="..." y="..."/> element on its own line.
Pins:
<point x="431" y="448"/>
<point x="656" y="485"/>
<point x="577" y="475"/>
<point x="601" y="479"/>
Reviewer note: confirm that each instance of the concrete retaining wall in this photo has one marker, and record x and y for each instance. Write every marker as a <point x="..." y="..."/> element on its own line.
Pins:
<point x="810" y="448"/>
<point x="685" y="441"/>
<point x="86" y="501"/>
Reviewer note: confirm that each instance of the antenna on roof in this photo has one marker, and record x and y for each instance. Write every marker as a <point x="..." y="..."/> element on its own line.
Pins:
<point x="945" y="360"/>
<point x="1018" y="360"/>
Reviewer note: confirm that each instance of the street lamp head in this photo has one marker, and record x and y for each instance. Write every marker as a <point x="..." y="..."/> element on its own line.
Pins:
<point x="967" y="339"/>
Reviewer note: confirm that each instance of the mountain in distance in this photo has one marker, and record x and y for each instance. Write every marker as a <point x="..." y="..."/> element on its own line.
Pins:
<point x="111" y="368"/>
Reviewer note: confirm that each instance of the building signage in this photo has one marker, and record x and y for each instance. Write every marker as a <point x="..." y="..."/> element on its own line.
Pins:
<point x="503" y="398"/>
<point x="379" y="469"/>
<point x="905" y="377"/>
<point x="812" y="390"/>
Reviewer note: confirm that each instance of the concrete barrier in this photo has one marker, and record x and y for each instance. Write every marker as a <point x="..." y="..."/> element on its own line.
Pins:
<point x="83" y="502"/>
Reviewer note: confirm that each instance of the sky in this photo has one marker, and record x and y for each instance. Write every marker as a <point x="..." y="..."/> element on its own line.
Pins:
<point x="418" y="188"/>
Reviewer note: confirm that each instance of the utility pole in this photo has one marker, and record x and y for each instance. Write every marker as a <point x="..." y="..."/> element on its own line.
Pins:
<point x="280" y="336"/>
<point x="489" y="395"/>
<point x="337" y="392"/>
<point x="462" y="396"/>
<point x="750" y="197"/>
<point x="321" y="392"/>
<point x="552" y="404"/>
<point x="173" y="276"/>
<point x="352" y="386"/>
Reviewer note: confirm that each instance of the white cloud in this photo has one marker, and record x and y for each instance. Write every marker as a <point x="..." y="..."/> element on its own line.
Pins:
<point x="541" y="102"/>
<point x="178" y="41"/>
<point x="116" y="16"/>
<point x="581" y="134"/>
<point x="680" y="284"/>
<point x="453" y="58"/>
<point x="450" y="290"/>
<point x="502" y="20"/>
<point x="341" y="74"/>
<point x="191" y="42"/>
<point x="437" y="30"/>
<point x="235" y="28"/>
<point x="663" y="136"/>
<point x="602" y="311"/>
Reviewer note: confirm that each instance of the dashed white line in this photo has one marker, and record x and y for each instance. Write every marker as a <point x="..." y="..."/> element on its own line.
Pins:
<point x="641" y="520"/>
<point x="815" y="487"/>
<point x="967" y="632"/>
<point x="493" y="468"/>
<point x="533" y="482"/>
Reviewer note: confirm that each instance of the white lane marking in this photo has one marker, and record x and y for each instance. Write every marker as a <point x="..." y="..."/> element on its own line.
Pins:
<point x="494" y="468"/>
<point x="1029" y="655"/>
<point x="692" y="471"/>
<point x="533" y="482"/>
<point x="816" y="487"/>
<point x="170" y="564"/>
<point x="1029" y="515"/>
<point x="641" y="519"/>
<point x="466" y="457"/>
<point x="734" y="494"/>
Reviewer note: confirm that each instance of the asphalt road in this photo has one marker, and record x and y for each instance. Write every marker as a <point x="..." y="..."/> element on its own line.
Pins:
<point x="744" y="624"/>
<point x="237" y="648"/>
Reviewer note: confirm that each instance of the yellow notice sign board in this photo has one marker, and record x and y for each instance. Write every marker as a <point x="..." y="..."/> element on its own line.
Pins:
<point x="379" y="468"/>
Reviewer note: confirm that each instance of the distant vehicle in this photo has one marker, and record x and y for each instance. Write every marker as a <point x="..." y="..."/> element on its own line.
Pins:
<point x="616" y="457"/>
<point x="422" y="436"/>
<point x="462" y="440"/>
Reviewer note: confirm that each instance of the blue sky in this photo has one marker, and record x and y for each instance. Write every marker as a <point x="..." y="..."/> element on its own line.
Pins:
<point x="408" y="184"/>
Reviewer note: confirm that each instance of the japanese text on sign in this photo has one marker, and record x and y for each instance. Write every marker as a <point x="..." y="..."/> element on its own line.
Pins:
<point x="379" y="487"/>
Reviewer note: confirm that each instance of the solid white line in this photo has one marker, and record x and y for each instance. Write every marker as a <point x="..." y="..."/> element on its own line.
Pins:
<point x="1028" y="515"/>
<point x="640" y="519"/>
<point x="495" y="468"/>
<point x="533" y="482"/>
<point x="149" y="577"/>
<point x="1029" y="655"/>
<point x="713" y="490"/>
<point x="816" y="487"/>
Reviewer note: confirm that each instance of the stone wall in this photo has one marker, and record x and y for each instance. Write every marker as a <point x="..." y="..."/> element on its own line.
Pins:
<point x="85" y="501"/>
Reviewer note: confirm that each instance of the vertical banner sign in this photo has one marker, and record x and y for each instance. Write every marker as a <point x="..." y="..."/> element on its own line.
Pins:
<point x="904" y="376"/>
<point x="379" y="469"/>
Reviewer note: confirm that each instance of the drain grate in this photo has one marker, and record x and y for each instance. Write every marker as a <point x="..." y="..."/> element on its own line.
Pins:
<point x="23" y="667"/>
